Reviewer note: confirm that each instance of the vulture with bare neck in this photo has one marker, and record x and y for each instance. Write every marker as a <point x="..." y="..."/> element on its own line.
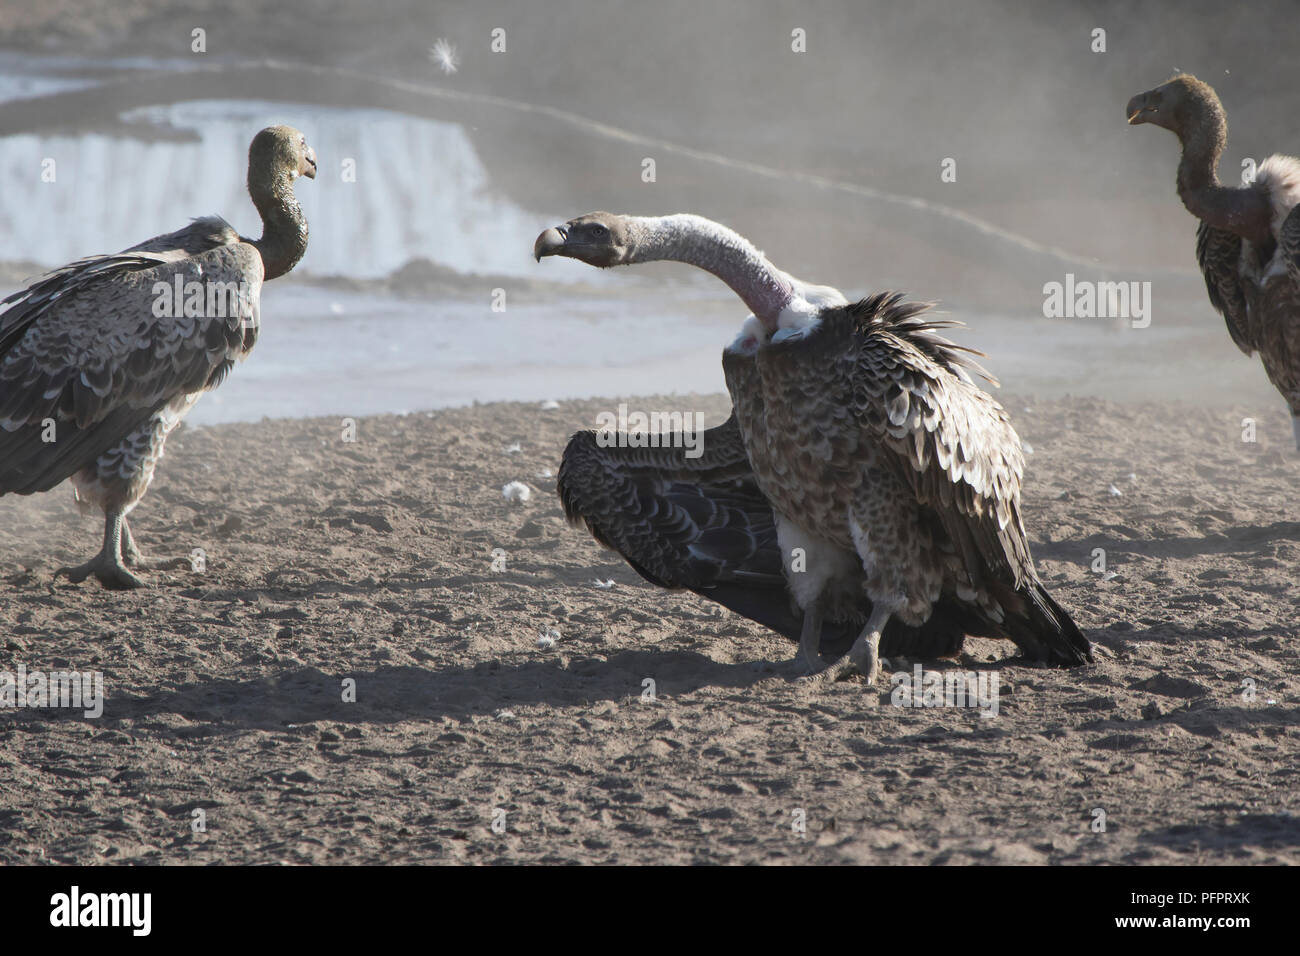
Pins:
<point x="1248" y="240"/>
<point x="100" y="360"/>
<point x="893" y="480"/>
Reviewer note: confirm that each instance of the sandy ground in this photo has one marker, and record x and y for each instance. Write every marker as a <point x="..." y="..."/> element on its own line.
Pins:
<point x="372" y="560"/>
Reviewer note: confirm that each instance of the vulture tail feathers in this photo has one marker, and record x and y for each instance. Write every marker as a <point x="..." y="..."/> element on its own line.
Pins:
<point x="29" y="465"/>
<point x="1043" y="629"/>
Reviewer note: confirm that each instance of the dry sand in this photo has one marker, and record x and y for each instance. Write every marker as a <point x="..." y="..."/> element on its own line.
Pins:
<point x="372" y="561"/>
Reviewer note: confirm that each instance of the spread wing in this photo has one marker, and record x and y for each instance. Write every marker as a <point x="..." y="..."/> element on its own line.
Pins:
<point x="86" y="349"/>
<point x="702" y="524"/>
<point x="1219" y="254"/>
<point x="680" y="522"/>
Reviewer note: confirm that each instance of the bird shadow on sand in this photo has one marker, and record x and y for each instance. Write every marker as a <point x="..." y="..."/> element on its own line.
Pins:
<point x="391" y="694"/>
<point x="1226" y="541"/>
<point x="1265" y="831"/>
<point x="285" y="700"/>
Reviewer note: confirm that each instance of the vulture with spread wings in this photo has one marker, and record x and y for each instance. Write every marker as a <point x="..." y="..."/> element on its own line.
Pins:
<point x="893" y="481"/>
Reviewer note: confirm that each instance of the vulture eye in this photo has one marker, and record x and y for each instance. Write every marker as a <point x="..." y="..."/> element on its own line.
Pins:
<point x="600" y="232"/>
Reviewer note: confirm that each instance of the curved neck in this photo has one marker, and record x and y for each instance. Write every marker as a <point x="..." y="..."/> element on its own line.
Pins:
<point x="1240" y="211"/>
<point x="713" y="247"/>
<point x="284" y="229"/>
<point x="1198" y="169"/>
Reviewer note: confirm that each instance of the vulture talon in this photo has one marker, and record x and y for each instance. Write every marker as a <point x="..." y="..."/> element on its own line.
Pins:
<point x="111" y="574"/>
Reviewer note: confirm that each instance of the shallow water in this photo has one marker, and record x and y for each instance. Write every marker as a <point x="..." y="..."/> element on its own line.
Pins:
<point x="327" y="353"/>
<point x="391" y="189"/>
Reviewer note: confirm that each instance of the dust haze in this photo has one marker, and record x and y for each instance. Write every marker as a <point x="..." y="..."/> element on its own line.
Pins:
<point x="375" y="559"/>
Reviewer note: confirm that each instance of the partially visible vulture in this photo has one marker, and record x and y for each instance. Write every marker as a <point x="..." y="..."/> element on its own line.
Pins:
<point x="885" y="466"/>
<point x="1248" y="240"/>
<point x="100" y="360"/>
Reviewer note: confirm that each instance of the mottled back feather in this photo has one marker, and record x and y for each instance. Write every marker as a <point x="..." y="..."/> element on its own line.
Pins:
<point x="83" y="347"/>
<point x="872" y="395"/>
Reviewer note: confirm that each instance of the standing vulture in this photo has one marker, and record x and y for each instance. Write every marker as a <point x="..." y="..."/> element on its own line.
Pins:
<point x="100" y="360"/>
<point x="882" y="462"/>
<point x="1248" y="241"/>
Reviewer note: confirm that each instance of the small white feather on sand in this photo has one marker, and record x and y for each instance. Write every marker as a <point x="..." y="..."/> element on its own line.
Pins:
<point x="516" y="492"/>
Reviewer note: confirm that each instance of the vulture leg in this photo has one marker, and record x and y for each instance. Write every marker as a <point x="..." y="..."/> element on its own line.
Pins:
<point x="133" y="557"/>
<point x="808" y="660"/>
<point x="107" y="565"/>
<point x="130" y="553"/>
<point x="864" y="656"/>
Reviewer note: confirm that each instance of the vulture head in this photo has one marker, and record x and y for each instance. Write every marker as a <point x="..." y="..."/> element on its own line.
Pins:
<point x="1179" y="105"/>
<point x="280" y="151"/>
<point x="598" y="239"/>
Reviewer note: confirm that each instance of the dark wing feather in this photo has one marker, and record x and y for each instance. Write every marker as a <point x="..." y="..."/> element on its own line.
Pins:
<point x="1219" y="254"/>
<point x="23" y="307"/>
<point x="681" y="522"/>
<point x="31" y="464"/>
<point x="200" y="235"/>
<point x="1289" y="240"/>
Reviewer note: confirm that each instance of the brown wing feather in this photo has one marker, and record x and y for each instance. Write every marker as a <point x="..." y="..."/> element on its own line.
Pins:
<point x="1289" y="240"/>
<point x="951" y="442"/>
<point x="702" y="524"/>
<point x="874" y="385"/>
<point x="1219" y="254"/>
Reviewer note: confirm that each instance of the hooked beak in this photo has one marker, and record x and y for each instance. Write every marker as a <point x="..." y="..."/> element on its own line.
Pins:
<point x="309" y="163"/>
<point x="1137" y="109"/>
<point x="550" y="243"/>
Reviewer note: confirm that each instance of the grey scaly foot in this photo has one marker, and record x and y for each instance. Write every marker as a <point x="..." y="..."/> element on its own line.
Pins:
<point x="864" y="656"/>
<point x="800" y="668"/>
<point x="866" y="663"/>
<point x="807" y="660"/>
<point x="131" y="555"/>
<point x="112" y="574"/>
<point x="107" y="565"/>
